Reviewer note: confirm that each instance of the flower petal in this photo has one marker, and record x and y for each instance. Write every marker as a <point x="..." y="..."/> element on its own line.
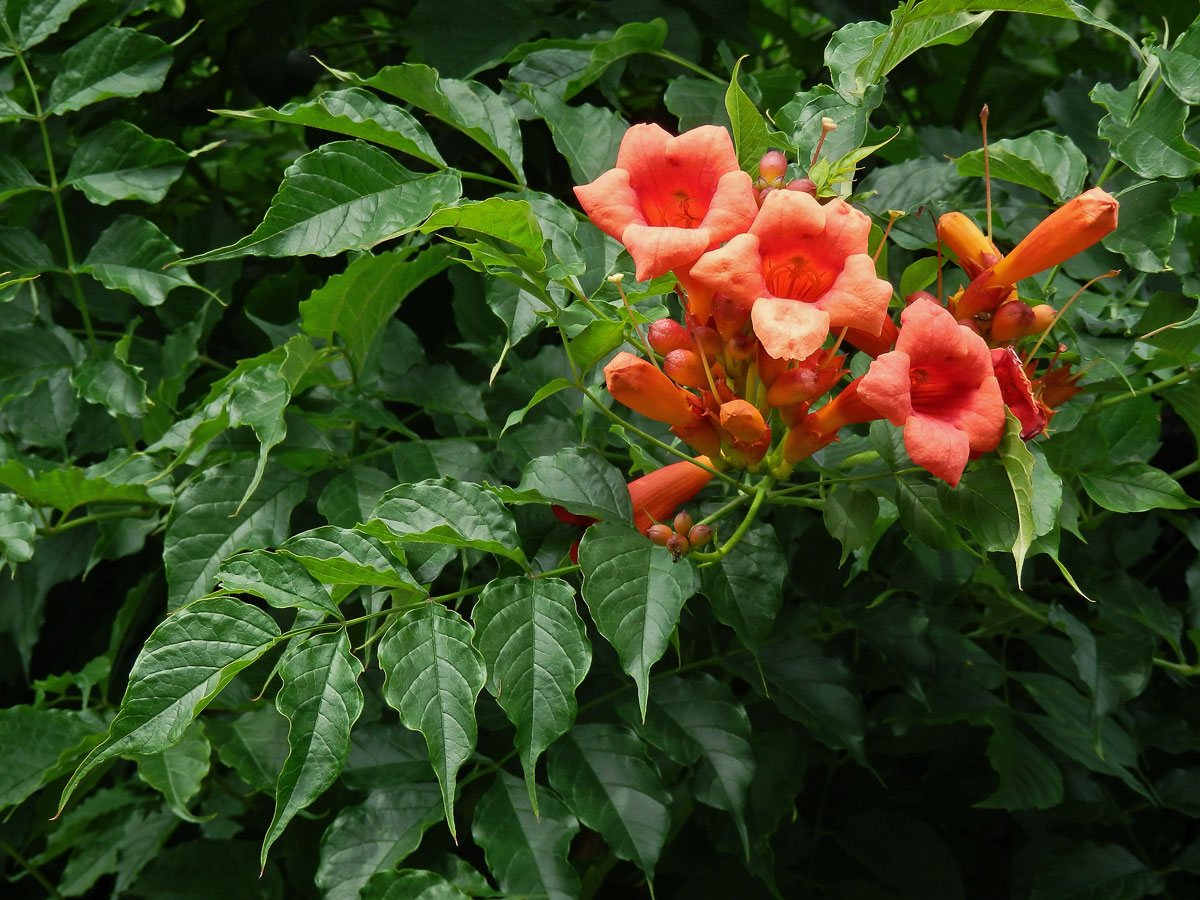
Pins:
<point x="657" y="250"/>
<point x="846" y="228"/>
<point x="611" y="203"/>
<point x="858" y="298"/>
<point x="732" y="209"/>
<point x="937" y="446"/>
<point x="789" y="329"/>
<point x="734" y="270"/>
<point x="785" y="216"/>
<point x="886" y="386"/>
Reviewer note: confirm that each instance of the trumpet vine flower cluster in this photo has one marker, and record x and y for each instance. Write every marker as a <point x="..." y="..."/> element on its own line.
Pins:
<point x="778" y="286"/>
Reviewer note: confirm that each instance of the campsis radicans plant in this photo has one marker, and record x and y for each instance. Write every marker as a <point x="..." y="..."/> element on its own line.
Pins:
<point x="775" y="282"/>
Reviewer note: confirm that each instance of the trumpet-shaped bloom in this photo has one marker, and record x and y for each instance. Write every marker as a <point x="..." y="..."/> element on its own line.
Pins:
<point x="670" y="199"/>
<point x="939" y="385"/>
<point x="801" y="269"/>
<point x="644" y="389"/>
<point x="658" y="494"/>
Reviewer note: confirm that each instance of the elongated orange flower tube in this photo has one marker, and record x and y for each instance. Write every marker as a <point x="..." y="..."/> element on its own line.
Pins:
<point x="644" y="389"/>
<point x="972" y="247"/>
<point x="656" y="495"/>
<point x="1070" y="229"/>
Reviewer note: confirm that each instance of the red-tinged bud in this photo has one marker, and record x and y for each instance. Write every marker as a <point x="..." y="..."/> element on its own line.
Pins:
<point x="1011" y="321"/>
<point x="804" y="185"/>
<point x="761" y="184"/>
<point x="773" y="166"/>
<point x="729" y="316"/>
<point x="741" y="346"/>
<point x="1070" y="229"/>
<point x="971" y="323"/>
<point x="679" y="546"/>
<point x="803" y="441"/>
<point x="570" y="518"/>
<point x="700" y="435"/>
<point x="684" y="367"/>
<point x="769" y="368"/>
<point x="983" y="294"/>
<point x="657" y="495"/>
<point x="699" y="536"/>
<point x="660" y="533"/>
<point x="919" y="295"/>
<point x="644" y="389"/>
<point x="874" y="345"/>
<point x="742" y="420"/>
<point x="709" y="340"/>
<point x="683" y="523"/>
<point x="1043" y="318"/>
<point x="666" y="335"/>
<point x="793" y="386"/>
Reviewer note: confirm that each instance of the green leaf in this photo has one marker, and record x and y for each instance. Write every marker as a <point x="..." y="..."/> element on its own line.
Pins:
<point x="1134" y="487"/>
<point x="410" y="884"/>
<point x="1180" y="66"/>
<point x="546" y="390"/>
<point x="1152" y="141"/>
<point x="178" y="771"/>
<point x="537" y="653"/>
<point x="35" y="744"/>
<point x="526" y="852"/>
<point x="357" y="304"/>
<point x="321" y="700"/>
<point x="119" y="161"/>
<point x="1043" y="160"/>
<point x="817" y="691"/>
<point x="922" y="514"/>
<point x="15" y="179"/>
<point x="17" y="531"/>
<point x="130" y="255"/>
<point x="446" y="511"/>
<point x="433" y="677"/>
<point x="630" y="38"/>
<point x="596" y="341"/>
<point x="21" y="252"/>
<point x="344" y="195"/>
<point x="188" y="659"/>
<point x="32" y="21"/>
<point x="1146" y="229"/>
<point x="259" y="398"/>
<point x="698" y="720"/>
<point x="587" y="136"/>
<point x="1088" y="871"/>
<point x="750" y="134"/>
<point x="350" y="496"/>
<point x="110" y="381"/>
<point x="695" y="102"/>
<point x="802" y="119"/>
<point x="635" y="592"/>
<point x="509" y="220"/>
<point x="1029" y="779"/>
<point x="983" y="504"/>
<point x="849" y="515"/>
<point x="602" y="773"/>
<point x="253" y="744"/>
<point x="280" y="580"/>
<point x="582" y="481"/>
<point x="375" y="836"/>
<point x="466" y="106"/>
<point x="382" y="754"/>
<point x="340" y="556"/>
<point x="355" y="113"/>
<point x="68" y="488"/>
<point x="1018" y="465"/>
<point x="109" y="62"/>
<point x="205" y="525"/>
<point x="746" y="588"/>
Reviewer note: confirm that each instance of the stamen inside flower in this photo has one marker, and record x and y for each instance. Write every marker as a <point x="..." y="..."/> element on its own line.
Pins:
<point x="797" y="278"/>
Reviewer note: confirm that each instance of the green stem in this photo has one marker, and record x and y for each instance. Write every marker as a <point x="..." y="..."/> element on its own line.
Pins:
<point x="687" y="64"/>
<point x="141" y="513"/>
<point x="1109" y="168"/>
<point x="760" y="493"/>
<point x="500" y="182"/>
<point x="1149" y="389"/>
<point x="29" y="867"/>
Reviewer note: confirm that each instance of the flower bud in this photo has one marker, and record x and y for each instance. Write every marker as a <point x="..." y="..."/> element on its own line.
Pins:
<point x="684" y="367"/>
<point x="742" y="420"/>
<point x="666" y="335"/>
<point x="804" y="185"/>
<point x="708" y="340"/>
<point x="970" y="245"/>
<point x="699" y="535"/>
<point x="660" y="533"/>
<point x="729" y="316"/>
<point x="1043" y="318"/>
<point x="1070" y="229"/>
<point x="679" y="546"/>
<point x="770" y="368"/>
<point x="741" y="346"/>
<point x="644" y="389"/>
<point x="970" y="322"/>
<point x="699" y="435"/>
<point x="773" y="166"/>
<point x="919" y="295"/>
<point x="1011" y="321"/>
<point x="683" y="523"/>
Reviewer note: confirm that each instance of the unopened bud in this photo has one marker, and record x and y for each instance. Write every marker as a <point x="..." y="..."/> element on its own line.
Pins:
<point x="742" y="420"/>
<point x="741" y="346"/>
<point x="920" y="295"/>
<point x="679" y="546"/>
<point x="666" y="335"/>
<point x="709" y="340"/>
<point x="827" y="124"/>
<point x="804" y="185"/>
<point x="773" y="166"/>
<point x="684" y="367"/>
<point x="1043" y="318"/>
<point x="683" y="523"/>
<point x="660" y="533"/>
<point x="969" y="322"/>
<point x="1011" y="321"/>
<point x="699" y="535"/>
